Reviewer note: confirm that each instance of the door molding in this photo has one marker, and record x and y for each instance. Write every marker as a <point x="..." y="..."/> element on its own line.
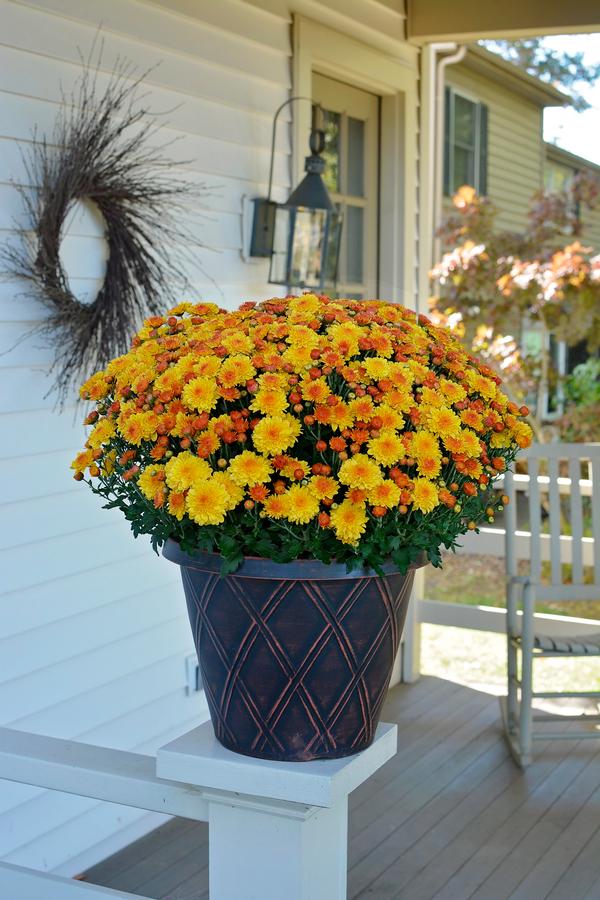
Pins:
<point x="321" y="49"/>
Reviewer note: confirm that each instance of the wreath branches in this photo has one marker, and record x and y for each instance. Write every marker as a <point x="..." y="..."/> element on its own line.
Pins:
<point x="103" y="149"/>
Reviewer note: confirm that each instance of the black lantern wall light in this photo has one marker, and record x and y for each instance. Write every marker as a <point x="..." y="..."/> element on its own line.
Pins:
<point x="301" y="236"/>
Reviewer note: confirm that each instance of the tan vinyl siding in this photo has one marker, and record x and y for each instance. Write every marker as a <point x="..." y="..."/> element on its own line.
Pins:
<point x="514" y="144"/>
<point x="591" y="228"/>
<point x="560" y="168"/>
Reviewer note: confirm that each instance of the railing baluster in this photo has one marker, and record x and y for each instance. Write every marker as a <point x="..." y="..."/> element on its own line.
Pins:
<point x="555" y="520"/>
<point x="576" y="520"/>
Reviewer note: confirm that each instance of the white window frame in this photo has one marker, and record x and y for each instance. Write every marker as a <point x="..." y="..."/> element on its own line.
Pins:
<point x="477" y="103"/>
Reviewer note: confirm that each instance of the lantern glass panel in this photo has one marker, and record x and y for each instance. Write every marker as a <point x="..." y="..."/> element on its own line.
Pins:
<point x="308" y="244"/>
<point x="281" y="245"/>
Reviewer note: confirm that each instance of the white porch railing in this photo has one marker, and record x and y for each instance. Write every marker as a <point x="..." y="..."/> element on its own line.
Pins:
<point x="276" y="830"/>
<point x="490" y="542"/>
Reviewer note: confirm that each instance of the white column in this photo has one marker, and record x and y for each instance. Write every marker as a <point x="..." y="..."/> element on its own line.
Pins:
<point x="277" y="831"/>
<point x="267" y="851"/>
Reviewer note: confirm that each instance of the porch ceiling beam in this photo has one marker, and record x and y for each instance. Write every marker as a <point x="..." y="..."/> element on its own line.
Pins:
<point x="438" y="20"/>
<point x="116" y="776"/>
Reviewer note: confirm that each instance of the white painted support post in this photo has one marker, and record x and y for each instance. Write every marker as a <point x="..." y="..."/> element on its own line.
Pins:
<point x="276" y="830"/>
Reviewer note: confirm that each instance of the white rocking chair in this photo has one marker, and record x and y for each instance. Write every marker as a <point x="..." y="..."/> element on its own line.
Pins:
<point x="554" y="470"/>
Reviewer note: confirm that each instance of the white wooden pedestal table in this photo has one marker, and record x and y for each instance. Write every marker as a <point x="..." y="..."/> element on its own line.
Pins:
<point x="277" y="831"/>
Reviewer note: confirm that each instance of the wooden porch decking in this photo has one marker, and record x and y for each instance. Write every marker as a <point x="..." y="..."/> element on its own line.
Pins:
<point x="450" y="817"/>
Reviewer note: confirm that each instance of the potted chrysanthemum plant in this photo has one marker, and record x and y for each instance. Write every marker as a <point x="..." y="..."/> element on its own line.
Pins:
<point x="298" y="458"/>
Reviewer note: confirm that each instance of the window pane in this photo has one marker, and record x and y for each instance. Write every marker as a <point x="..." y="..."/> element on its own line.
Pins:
<point x="333" y="246"/>
<point x="464" y="167"/>
<point x="331" y="153"/>
<point x="465" y="115"/>
<point x="353" y="225"/>
<point x="356" y="156"/>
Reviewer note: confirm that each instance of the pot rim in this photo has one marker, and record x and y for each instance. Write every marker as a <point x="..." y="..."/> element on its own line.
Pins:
<point x="266" y="569"/>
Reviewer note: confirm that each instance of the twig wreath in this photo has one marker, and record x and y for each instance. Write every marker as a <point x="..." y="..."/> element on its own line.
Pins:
<point x="102" y="151"/>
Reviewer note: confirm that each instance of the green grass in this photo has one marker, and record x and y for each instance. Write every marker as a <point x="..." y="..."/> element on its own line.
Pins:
<point x="478" y="659"/>
<point x="479" y="581"/>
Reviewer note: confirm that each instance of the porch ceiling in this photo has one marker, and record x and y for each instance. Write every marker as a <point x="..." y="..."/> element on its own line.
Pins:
<point x="463" y="20"/>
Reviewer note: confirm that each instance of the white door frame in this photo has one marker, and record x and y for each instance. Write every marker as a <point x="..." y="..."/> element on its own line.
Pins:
<point x="395" y="79"/>
<point x="321" y="49"/>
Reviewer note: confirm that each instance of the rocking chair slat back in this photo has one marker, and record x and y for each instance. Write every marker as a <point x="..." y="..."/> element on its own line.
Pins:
<point x="570" y="526"/>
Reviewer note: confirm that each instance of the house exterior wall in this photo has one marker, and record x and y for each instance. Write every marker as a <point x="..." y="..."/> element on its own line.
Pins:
<point x="560" y="167"/>
<point x="93" y="629"/>
<point x="515" y="154"/>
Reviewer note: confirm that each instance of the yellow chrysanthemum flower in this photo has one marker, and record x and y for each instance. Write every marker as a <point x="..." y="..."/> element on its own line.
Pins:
<point x="444" y="422"/>
<point x="208" y="367"/>
<point x="101" y="434"/>
<point x="386" y="448"/>
<point x="390" y="418"/>
<point x="429" y="466"/>
<point x="269" y="402"/>
<point x="316" y="391"/>
<point x="237" y="342"/>
<point x="385" y="494"/>
<point x="135" y="428"/>
<point x="150" y="480"/>
<point x="362" y="408"/>
<point x="377" y="368"/>
<point x="169" y="381"/>
<point x="298" y="357"/>
<point x="95" y="388"/>
<point x="484" y="386"/>
<point x="303" y="308"/>
<point x="344" y="337"/>
<point x="274" y="507"/>
<point x="236" y="370"/>
<point x="249" y="469"/>
<point x="452" y="391"/>
<point x="301" y="505"/>
<point x="425" y="495"/>
<point x="235" y="493"/>
<point x="340" y="416"/>
<point x="207" y="502"/>
<point x="423" y="443"/>
<point x="360" y="471"/>
<point x="82" y="461"/>
<point x="302" y="336"/>
<point x="323" y="487"/>
<point x="349" y="521"/>
<point x="184" y="470"/>
<point x="465" y="442"/>
<point x="201" y="394"/>
<point x="176" y="505"/>
<point x="501" y="439"/>
<point x="274" y="434"/>
<point x="430" y="399"/>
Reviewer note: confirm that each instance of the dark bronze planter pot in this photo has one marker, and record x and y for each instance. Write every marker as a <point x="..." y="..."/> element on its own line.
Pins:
<point x="296" y="659"/>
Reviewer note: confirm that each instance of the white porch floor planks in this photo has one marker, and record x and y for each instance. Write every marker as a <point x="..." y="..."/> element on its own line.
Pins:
<point x="450" y="817"/>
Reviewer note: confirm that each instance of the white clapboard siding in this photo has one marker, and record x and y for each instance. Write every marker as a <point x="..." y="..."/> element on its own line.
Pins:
<point x="93" y="625"/>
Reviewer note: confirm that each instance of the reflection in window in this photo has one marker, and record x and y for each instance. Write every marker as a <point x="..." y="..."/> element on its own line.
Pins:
<point x="354" y="244"/>
<point x="465" y="143"/>
<point x="331" y="153"/>
<point x="356" y="157"/>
